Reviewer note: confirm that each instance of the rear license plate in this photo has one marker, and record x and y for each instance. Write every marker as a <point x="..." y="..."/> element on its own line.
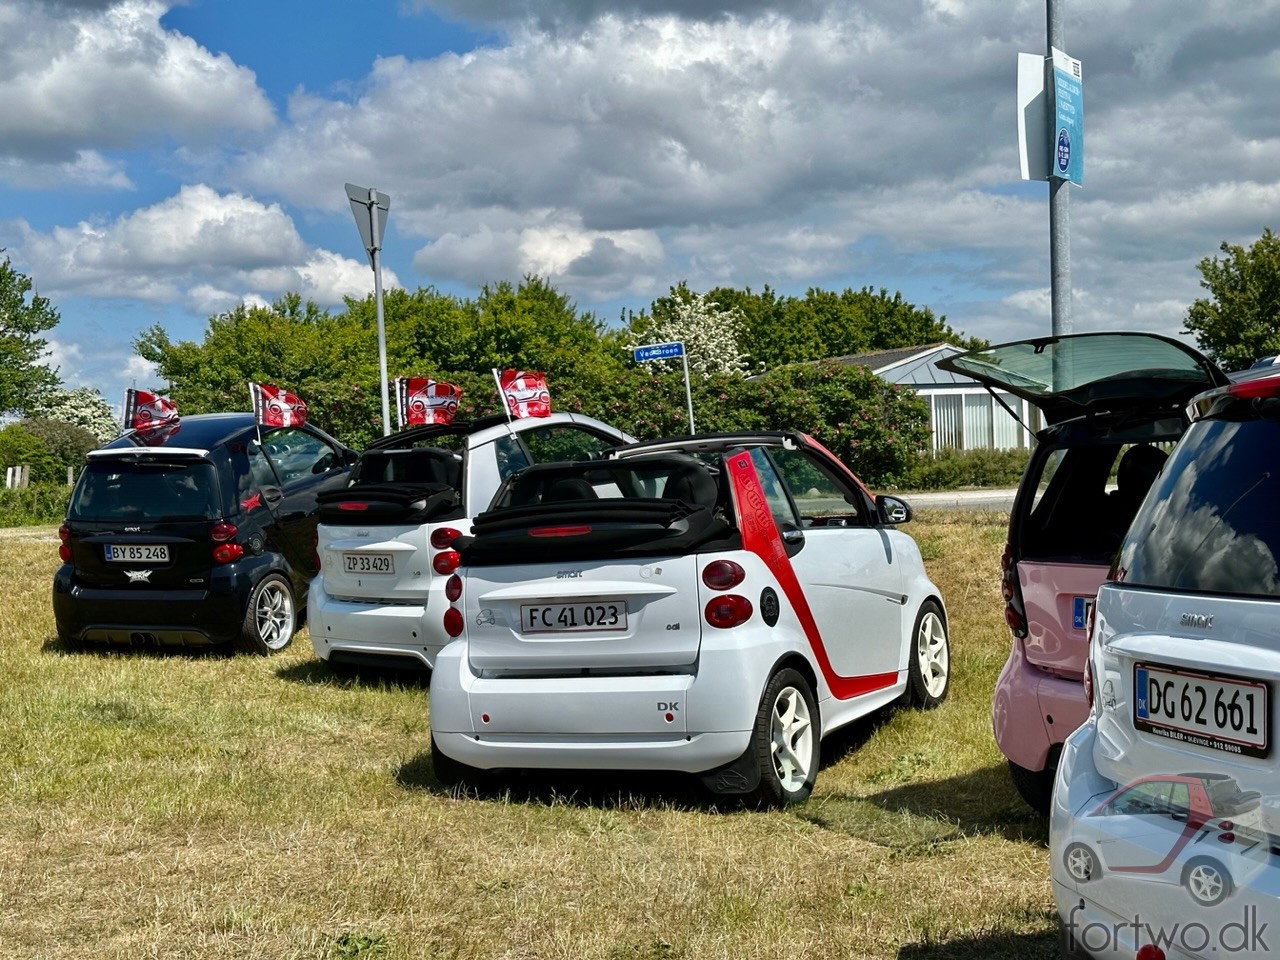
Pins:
<point x="1080" y="610"/>
<point x="599" y="615"/>
<point x="368" y="563"/>
<point x="1224" y="713"/>
<point x="137" y="553"/>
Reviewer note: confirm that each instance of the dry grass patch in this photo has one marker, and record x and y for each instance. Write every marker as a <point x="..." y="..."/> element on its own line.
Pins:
<point x="209" y="806"/>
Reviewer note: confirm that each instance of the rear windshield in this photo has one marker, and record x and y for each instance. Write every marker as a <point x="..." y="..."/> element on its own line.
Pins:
<point x="1210" y="524"/>
<point x="119" y="490"/>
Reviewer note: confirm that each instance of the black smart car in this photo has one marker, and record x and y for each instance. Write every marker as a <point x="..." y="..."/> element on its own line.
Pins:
<point x="199" y="533"/>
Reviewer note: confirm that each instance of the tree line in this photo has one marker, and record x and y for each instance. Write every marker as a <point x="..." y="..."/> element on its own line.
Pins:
<point x="759" y="359"/>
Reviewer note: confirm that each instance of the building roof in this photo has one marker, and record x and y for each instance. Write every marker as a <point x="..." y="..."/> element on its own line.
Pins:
<point x="910" y="366"/>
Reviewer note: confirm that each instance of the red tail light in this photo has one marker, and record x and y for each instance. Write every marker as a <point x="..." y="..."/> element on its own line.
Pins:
<point x="1006" y="559"/>
<point x="64" y="553"/>
<point x="453" y="588"/>
<point x="453" y="622"/>
<point x="64" y="548"/>
<point x="226" y="552"/>
<point x="353" y="505"/>
<point x="444" y="536"/>
<point x="729" y="610"/>
<point x="1149" y="951"/>
<point x="222" y="532"/>
<point x="1014" y="619"/>
<point x="723" y="575"/>
<point x="446" y="562"/>
<point x="64" y="532"/>
<point x="1088" y="683"/>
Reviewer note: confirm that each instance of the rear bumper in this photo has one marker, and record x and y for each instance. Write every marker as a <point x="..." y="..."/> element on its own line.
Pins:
<point x="170" y="617"/>
<point x="689" y="722"/>
<point x="371" y="632"/>
<point x="1033" y="712"/>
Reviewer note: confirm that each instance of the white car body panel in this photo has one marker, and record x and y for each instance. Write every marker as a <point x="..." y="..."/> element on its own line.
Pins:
<point x="396" y="617"/>
<point x="672" y="691"/>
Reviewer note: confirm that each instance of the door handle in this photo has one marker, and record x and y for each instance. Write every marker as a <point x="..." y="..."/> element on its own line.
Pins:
<point x="793" y="536"/>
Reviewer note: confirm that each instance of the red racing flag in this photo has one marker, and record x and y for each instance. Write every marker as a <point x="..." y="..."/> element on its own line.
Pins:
<point x="144" y="410"/>
<point x="422" y="400"/>
<point x="276" y="407"/>
<point x="525" y="392"/>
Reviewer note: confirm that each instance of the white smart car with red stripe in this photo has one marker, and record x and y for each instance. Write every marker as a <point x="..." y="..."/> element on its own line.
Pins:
<point x="714" y="605"/>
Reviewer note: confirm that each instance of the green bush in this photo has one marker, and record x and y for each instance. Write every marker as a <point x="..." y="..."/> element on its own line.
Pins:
<point x="38" y="503"/>
<point x="67" y="443"/>
<point x="953" y="469"/>
<point x="20" y="447"/>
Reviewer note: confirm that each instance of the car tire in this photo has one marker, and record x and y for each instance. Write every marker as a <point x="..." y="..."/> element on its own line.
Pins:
<point x="1207" y="881"/>
<point x="451" y="773"/>
<point x="271" y="617"/>
<point x="929" y="660"/>
<point x="786" y="740"/>
<point x="1034" y="786"/>
<point x="1081" y="862"/>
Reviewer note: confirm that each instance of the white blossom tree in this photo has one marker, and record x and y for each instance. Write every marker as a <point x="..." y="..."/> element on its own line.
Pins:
<point x="709" y="331"/>
<point x="82" y="407"/>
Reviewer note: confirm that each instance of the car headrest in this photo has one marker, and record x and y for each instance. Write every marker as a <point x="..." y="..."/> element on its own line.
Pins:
<point x="569" y="488"/>
<point x="692" y="484"/>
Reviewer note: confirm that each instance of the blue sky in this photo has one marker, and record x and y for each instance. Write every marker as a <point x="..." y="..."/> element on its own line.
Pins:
<point x="162" y="162"/>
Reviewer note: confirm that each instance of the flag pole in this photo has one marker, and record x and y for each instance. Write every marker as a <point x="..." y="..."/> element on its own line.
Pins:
<point x="502" y="397"/>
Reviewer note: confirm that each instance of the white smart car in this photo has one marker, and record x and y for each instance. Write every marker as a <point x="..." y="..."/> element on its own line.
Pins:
<point x="1184" y="662"/>
<point x="714" y="605"/>
<point x="384" y="542"/>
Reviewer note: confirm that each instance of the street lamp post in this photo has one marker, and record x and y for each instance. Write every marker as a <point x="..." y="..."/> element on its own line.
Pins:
<point x="370" y="208"/>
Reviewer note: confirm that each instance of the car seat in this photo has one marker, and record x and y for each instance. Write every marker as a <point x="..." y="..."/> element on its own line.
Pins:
<point x="1138" y="469"/>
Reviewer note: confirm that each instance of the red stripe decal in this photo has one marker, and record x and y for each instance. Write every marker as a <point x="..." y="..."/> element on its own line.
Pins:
<point x="760" y="536"/>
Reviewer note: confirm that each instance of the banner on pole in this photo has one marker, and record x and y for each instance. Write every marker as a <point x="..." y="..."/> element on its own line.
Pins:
<point x="1068" y="119"/>
<point x="421" y="400"/>
<point x="525" y="393"/>
<point x="276" y="407"/>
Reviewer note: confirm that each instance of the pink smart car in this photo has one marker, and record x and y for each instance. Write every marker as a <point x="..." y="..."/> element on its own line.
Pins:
<point x="1113" y="405"/>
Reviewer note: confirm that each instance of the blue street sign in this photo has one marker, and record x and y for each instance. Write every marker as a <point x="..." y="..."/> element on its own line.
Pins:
<point x="1068" y="119"/>
<point x="659" y="351"/>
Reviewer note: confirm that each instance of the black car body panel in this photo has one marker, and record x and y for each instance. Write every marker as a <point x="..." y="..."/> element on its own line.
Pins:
<point x="168" y="531"/>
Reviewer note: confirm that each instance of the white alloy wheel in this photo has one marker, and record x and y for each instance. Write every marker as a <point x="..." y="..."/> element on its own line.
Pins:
<point x="1080" y="863"/>
<point x="791" y="740"/>
<point x="933" y="654"/>
<point x="1207" y="883"/>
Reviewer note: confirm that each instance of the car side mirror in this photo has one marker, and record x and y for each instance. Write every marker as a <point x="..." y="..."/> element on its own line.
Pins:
<point x="892" y="510"/>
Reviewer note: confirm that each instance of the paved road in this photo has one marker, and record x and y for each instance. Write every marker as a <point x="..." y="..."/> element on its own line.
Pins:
<point x="962" y="500"/>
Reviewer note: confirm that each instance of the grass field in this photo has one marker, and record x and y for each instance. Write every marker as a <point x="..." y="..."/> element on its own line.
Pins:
<point x="176" y="805"/>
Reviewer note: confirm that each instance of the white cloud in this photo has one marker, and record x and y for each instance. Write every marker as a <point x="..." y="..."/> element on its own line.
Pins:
<point x="208" y="249"/>
<point x="101" y="77"/>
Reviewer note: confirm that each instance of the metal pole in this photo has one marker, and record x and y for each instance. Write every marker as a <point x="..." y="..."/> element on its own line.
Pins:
<point x="688" y="394"/>
<point x="382" y="336"/>
<point x="1059" y="205"/>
